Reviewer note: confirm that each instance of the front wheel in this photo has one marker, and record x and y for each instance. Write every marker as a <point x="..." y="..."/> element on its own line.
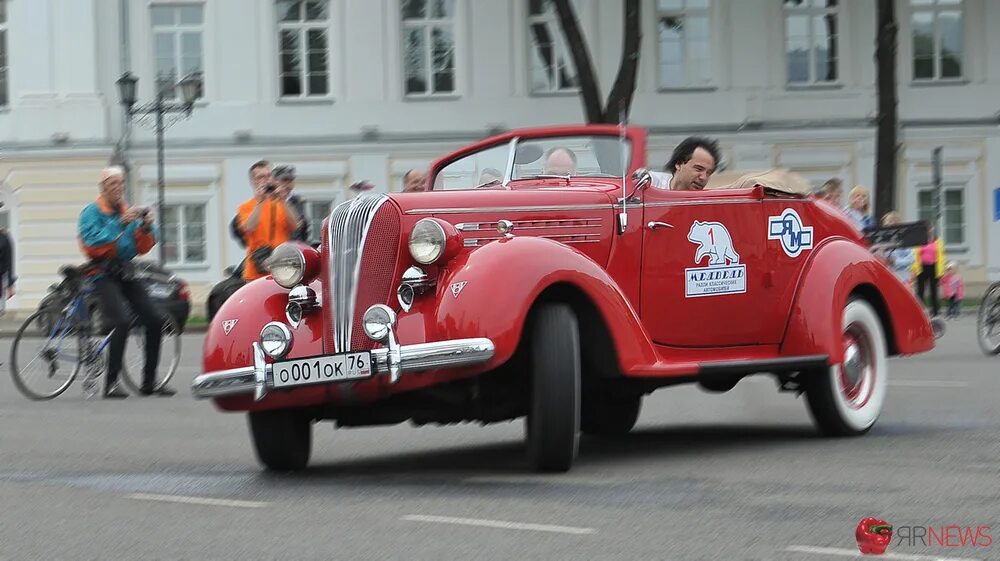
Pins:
<point x="45" y="356"/>
<point x="988" y="321"/>
<point x="846" y="399"/>
<point x="553" y="423"/>
<point x="282" y="438"/>
<point x="607" y="414"/>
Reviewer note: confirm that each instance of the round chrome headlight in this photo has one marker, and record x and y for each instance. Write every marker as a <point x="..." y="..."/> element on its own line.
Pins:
<point x="276" y="339"/>
<point x="287" y="265"/>
<point x="427" y="241"/>
<point x="378" y="322"/>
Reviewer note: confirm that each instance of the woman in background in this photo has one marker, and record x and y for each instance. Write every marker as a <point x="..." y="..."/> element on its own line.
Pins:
<point x="928" y="267"/>
<point x="859" y="209"/>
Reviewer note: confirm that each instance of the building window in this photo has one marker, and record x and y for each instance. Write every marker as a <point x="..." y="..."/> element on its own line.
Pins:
<point x="550" y="63"/>
<point x="937" y="39"/>
<point x="952" y="211"/>
<point x="303" y="39"/>
<point x="316" y="211"/>
<point x="183" y="232"/>
<point x="4" y="95"/>
<point x="177" y="43"/>
<point x="685" y="39"/>
<point x="811" y="33"/>
<point x="428" y="47"/>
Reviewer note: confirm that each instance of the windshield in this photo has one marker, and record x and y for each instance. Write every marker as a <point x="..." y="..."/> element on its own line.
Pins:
<point x="556" y="156"/>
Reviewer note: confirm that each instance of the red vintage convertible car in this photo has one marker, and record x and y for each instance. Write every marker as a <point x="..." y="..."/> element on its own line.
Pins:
<point x="508" y="291"/>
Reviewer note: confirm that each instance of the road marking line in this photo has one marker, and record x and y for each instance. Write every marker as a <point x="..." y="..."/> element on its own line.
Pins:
<point x="195" y="500"/>
<point x="499" y="524"/>
<point x="858" y="554"/>
<point x="928" y="383"/>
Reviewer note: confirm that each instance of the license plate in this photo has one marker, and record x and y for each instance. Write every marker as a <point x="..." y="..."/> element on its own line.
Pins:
<point x="320" y="369"/>
<point x="160" y="291"/>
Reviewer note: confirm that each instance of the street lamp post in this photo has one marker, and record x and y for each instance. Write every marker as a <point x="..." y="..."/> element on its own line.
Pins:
<point x="190" y="86"/>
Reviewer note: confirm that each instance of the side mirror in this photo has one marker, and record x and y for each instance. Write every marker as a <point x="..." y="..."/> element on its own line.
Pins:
<point x="527" y="153"/>
<point x="642" y="179"/>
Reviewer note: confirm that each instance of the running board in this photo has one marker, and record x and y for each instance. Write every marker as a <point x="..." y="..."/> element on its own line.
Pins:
<point x="723" y="376"/>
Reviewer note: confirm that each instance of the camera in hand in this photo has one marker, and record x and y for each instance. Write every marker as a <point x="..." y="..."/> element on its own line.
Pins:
<point x="144" y="213"/>
<point x="270" y="188"/>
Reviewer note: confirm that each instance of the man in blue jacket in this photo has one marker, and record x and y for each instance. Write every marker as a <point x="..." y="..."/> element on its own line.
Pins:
<point x="111" y="234"/>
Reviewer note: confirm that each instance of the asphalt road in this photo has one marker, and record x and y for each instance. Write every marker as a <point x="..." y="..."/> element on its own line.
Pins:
<point x="736" y="476"/>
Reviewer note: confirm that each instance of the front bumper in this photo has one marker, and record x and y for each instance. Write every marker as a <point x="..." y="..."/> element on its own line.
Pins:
<point x="257" y="379"/>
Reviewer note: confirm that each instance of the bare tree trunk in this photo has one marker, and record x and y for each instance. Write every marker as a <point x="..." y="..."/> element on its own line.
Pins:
<point x="887" y="147"/>
<point x="620" y="99"/>
<point x="589" y="90"/>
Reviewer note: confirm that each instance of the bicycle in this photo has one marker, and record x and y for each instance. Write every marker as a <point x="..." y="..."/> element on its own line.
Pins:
<point x="988" y="321"/>
<point x="72" y="323"/>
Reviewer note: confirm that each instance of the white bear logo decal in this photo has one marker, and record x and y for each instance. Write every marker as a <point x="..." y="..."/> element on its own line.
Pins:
<point x="724" y="273"/>
<point x="715" y="242"/>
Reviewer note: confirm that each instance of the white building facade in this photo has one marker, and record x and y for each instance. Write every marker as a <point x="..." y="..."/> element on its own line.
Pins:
<point x="367" y="89"/>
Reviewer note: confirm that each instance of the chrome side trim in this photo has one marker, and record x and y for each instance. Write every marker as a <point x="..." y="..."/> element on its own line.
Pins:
<point x="527" y="224"/>
<point x="258" y="378"/>
<point x="347" y="231"/>
<point x="475" y="242"/>
<point x="705" y="202"/>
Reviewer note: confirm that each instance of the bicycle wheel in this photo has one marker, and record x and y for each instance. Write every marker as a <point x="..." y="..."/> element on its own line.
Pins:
<point x="135" y="355"/>
<point x="53" y="348"/>
<point x="988" y="321"/>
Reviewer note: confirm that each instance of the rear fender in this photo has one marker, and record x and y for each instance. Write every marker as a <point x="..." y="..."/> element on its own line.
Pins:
<point x="490" y="292"/>
<point x="838" y="269"/>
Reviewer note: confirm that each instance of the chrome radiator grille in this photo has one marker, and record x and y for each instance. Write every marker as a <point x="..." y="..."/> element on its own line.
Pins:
<point x="360" y="248"/>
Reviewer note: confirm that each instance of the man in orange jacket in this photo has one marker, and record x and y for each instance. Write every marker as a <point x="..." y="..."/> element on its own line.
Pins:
<point x="264" y="221"/>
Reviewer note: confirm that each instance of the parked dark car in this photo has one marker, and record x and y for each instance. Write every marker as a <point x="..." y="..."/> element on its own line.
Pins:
<point x="225" y="288"/>
<point x="168" y="292"/>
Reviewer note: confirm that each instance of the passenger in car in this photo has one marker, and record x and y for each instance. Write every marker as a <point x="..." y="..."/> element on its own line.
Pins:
<point x="414" y="180"/>
<point x="489" y="175"/>
<point x="560" y="161"/>
<point x="693" y="162"/>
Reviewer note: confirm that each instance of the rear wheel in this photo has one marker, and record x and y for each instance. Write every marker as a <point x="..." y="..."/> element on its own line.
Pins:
<point x="846" y="399"/>
<point x="553" y="423"/>
<point x="282" y="438"/>
<point x="134" y="361"/>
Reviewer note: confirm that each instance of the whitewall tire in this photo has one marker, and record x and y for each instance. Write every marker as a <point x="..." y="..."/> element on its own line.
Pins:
<point x="846" y="399"/>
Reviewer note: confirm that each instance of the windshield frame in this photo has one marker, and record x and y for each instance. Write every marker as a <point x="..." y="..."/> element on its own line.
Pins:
<point x="630" y="138"/>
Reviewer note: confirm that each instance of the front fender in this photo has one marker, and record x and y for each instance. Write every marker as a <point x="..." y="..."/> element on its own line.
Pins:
<point x="836" y="270"/>
<point x="247" y="311"/>
<point x="489" y="293"/>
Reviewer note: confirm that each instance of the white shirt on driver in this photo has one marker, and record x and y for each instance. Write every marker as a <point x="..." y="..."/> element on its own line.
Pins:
<point x="661" y="179"/>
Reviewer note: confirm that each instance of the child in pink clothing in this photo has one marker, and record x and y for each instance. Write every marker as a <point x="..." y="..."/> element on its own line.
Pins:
<point x="952" y="289"/>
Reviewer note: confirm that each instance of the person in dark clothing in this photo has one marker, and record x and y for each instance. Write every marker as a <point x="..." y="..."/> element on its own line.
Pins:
<point x="285" y="178"/>
<point x="7" y="277"/>
<point x="111" y="234"/>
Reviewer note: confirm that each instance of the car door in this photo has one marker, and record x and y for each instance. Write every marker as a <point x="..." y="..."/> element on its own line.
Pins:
<point x="792" y="232"/>
<point x="703" y="274"/>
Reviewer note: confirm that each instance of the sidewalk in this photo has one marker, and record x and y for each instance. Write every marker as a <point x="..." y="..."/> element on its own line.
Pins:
<point x="9" y="327"/>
